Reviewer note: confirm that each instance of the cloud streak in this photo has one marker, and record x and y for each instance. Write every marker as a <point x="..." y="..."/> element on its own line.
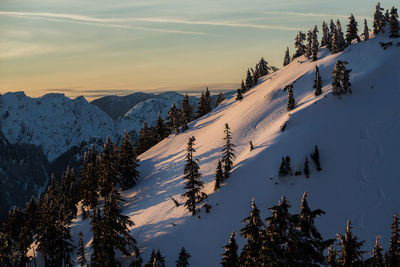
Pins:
<point x="110" y="22"/>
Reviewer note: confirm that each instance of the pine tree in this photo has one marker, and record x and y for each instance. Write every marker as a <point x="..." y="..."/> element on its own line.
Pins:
<point x="151" y="260"/>
<point x="283" y="171"/>
<point x="243" y="87"/>
<point x="299" y="45"/>
<point x="341" y="41"/>
<point x="146" y="139"/>
<point x="161" y="130"/>
<point x="222" y="98"/>
<point x="332" y="257"/>
<point x="239" y="95"/>
<point x="305" y="244"/>
<point x="366" y="30"/>
<point x="81" y="251"/>
<point x="393" y="254"/>
<point x="251" y="146"/>
<point x="127" y="163"/>
<point x="315" y="158"/>
<point x="349" y="253"/>
<point x="291" y="101"/>
<point x="89" y="181"/>
<point x="376" y="259"/>
<point x="352" y="30"/>
<point x="183" y="260"/>
<point x="346" y="79"/>
<point x="228" y="152"/>
<point x="253" y="232"/>
<point x="207" y="101"/>
<point x="317" y="82"/>
<point x="314" y="44"/>
<point x="287" y="162"/>
<point x="230" y="257"/>
<point x="186" y="112"/>
<point x="115" y="230"/>
<point x="275" y="244"/>
<point x="107" y="168"/>
<point x="159" y="260"/>
<point x="69" y="194"/>
<point x="192" y="177"/>
<point x="249" y="80"/>
<point x="325" y="40"/>
<point x="219" y="176"/>
<point x="394" y="23"/>
<point x="308" y="51"/>
<point x="263" y="67"/>
<point x="341" y="79"/>
<point x="173" y="119"/>
<point x="306" y="168"/>
<point x="96" y="223"/>
<point x="256" y="74"/>
<point x="378" y="19"/>
<point x="332" y="35"/>
<point x="286" y="59"/>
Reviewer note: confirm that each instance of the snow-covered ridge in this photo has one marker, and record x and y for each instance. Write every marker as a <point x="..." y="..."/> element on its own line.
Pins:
<point x="358" y="140"/>
<point x="58" y="123"/>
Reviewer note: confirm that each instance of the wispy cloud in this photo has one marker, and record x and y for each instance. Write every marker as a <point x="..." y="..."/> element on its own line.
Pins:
<point x="86" y="20"/>
<point x="110" y="22"/>
<point x="288" y="13"/>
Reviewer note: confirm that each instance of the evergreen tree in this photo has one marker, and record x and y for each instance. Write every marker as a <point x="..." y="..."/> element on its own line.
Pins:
<point x="376" y="259"/>
<point x="341" y="43"/>
<point x="222" y="98"/>
<point x="317" y="82"/>
<point x="256" y="74"/>
<point x="107" y="168"/>
<point x="314" y="44"/>
<point x="366" y="30"/>
<point x="306" y="168"/>
<point x="306" y="246"/>
<point x="239" y="95"/>
<point x="230" y="257"/>
<point x="249" y="80"/>
<point x="183" y="260"/>
<point x="228" y="152"/>
<point x="219" y="176"/>
<point x="393" y="254"/>
<point x="69" y="194"/>
<point x="186" y="112"/>
<point x="159" y="260"/>
<point x="161" y="130"/>
<point x="89" y="181"/>
<point x="151" y="260"/>
<point x="275" y="250"/>
<point x="96" y="223"/>
<point x="251" y="146"/>
<point x="341" y="78"/>
<point x="54" y="231"/>
<point x="325" y="40"/>
<point x="253" y="232"/>
<point x="283" y="171"/>
<point x="350" y="253"/>
<point x="291" y="101"/>
<point x="352" y="30"/>
<point x="315" y="158"/>
<point x="379" y="19"/>
<point x="308" y="52"/>
<point x="207" y="100"/>
<point x="299" y="45"/>
<point x="173" y="119"/>
<point x="394" y="23"/>
<point x="81" y="251"/>
<point x="192" y="177"/>
<point x="332" y="35"/>
<point x="286" y="59"/>
<point x="146" y="139"/>
<point x="287" y="162"/>
<point x="332" y="257"/>
<point x="127" y="163"/>
<point x="263" y="67"/>
<point x="115" y="230"/>
<point x="243" y="87"/>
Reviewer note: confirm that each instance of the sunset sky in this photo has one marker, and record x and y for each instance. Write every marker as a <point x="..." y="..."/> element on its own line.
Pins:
<point x="97" y="47"/>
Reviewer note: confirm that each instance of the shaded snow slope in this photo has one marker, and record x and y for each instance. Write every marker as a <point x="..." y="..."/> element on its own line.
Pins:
<point x="358" y="139"/>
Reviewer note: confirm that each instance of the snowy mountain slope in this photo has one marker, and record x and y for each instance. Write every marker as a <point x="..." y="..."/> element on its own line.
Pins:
<point x="358" y="140"/>
<point x="53" y="121"/>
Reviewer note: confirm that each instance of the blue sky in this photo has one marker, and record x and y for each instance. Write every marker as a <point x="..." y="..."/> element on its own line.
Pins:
<point x="97" y="47"/>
